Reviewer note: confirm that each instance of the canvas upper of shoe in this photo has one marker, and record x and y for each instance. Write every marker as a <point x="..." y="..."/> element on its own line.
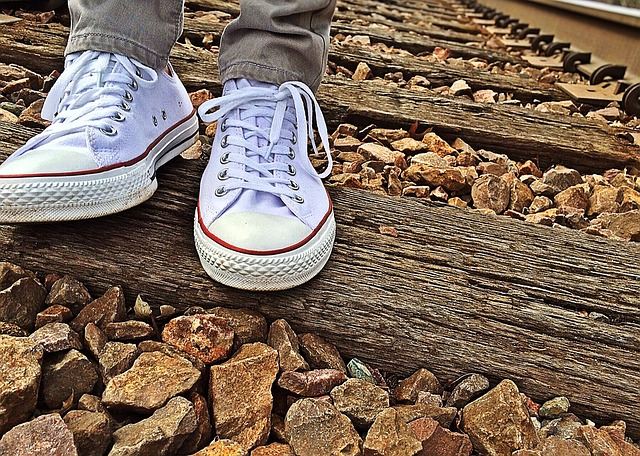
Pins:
<point x="260" y="191"/>
<point x="106" y="110"/>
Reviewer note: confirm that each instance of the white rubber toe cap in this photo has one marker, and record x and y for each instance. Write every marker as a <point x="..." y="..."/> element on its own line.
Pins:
<point x="259" y="232"/>
<point x="43" y="161"/>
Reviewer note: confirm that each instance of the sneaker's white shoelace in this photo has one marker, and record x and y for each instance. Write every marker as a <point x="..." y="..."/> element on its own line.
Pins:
<point x="291" y="126"/>
<point x="89" y="93"/>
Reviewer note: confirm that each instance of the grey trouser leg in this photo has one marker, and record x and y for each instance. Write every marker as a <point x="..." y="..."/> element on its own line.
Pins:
<point x="278" y="41"/>
<point x="272" y="40"/>
<point x="145" y="30"/>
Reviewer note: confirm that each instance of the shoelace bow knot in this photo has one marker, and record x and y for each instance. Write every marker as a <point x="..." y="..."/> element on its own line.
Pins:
<point x="293" y="108"/>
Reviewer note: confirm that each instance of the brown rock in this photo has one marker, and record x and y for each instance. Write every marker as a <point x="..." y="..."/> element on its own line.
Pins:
<point x="372" y="151"/>
<point x="430" y="399"/>
<point x="521" y="196"/>
<point x="491" y="192"/>
<point x="421" y="381"/>
<point x="161" y="434"/>
<point x="11" y="273"/>
<point x="624" y="226"/>
<point x="605" y="199"/>
<point x="153" y="379"/>
<point x="64" y="375"/>
<point x="53" y="314"/>
<point x="46" y="435"/>
<point x="387" y="136"/>
<point x="540" y="204"/>
<point x="457" y="202"/>
<point x="248" y="325"/>
<point x="558" y="446"/>
<point x="315" y="427"/>
<point x="94" y="339"/>
<point x="540" y="188"/>
<point x="31" y="117"/>
<point x="485" y="96"/>
<point x="452" y="179"/>
<point x="128" y="330"/>
<point x="438" y="145"/>
<point x="154" y="346"/>
<point x="199" y="97"/>
<point x="102" y="311"/>
<point x="498" y="423"/>
<point x="360" y="400"/>
<point x="240" y="394"/>
<point x="443" y="415"/>
<point x="116" y="358"/>
<point x="546" y="218"/>
<point x="56" y="337"/>
<point x="21" y="302"/>
<point x="205" y="337"/>
<point x="630" y="199"/>
<point x="202" y="435"/>
<point x="312" y="383"/>
<point x="561" y="178"/>
<point x="576" y="197"/>
<point x="362" y="73"/>
<point x="497" y="169"/>
<point x="391" y="436"/>
<point x="409" y="146"/>
<point x="530" y="168"/>
<point x="275" y="449"/>
<point x="439" y="441"/>
<point x="91" y="431"/>
<point x="602" y="443"/>
<point x="467" y="390"/>
<point x="284" y="340"/>
<point x="460" y="87"/>
<point x="394" y="184"/>
<point x="348" y="145"/>
<point x="9" y="329"/>
<point x="417" y="191"/>
<point x="320" y="353"/>
<point x="70" y="293"/>
<point x="21" y="360"/>
<point x="429" y="159"/>
<point x="222" y="448"/>
<point x="92" y="403"/>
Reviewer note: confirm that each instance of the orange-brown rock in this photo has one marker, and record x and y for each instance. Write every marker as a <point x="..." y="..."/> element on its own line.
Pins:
<point x="240" y="395"/>
<point x="360" y="400"/>
<point x="438" y="145"/>
<point x="275" y="449"/>
<point x="421" y="381"/>
<point x="46" y="435"/>
<point x="21" y="302"/>
<point x="491" y="192"/>
<point x="321" y="354"/>
<point x="390" y="435"/>
<point x="102" y="311"/>
<point x="313" y="383"/>
<point x="205" y="337"/>
<point x="498" y="423"/>
<point x="437" y="440"/>
<point x="282" y="338"/>
<point x="222" y="447"/>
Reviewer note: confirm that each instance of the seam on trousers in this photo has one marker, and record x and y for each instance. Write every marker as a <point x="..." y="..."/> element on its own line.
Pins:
<point x="286" y="73"/>
<point x="325" y="49"/>
<point x="117" y="38"/>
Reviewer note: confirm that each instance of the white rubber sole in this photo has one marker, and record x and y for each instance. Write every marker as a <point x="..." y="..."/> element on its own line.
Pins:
<point x="265" y="273"/>
<point x="66" y="198"/>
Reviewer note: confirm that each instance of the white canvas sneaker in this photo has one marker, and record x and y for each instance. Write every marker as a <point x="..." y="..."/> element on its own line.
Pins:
<point x="114" y="123"/>
<point x="264" y="219"/>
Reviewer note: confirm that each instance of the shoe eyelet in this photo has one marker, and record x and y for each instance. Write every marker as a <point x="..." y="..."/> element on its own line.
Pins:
<point x="223" y="175"/>
<point x="293" y="185"/>
<point x="138" y="73"/>
<point x="109" y="131"/>
<point x="118" y="117"/>
<point x="224" y="159"/>
<point x="128" y="96"/>
<point x="298" y="199"/>
<point x="164" y="115"/>
<point x="225" y="142"/>
<point x="292" y="154"/>
<point x="133" y="85"/>
<point x="224" y="126"/>
<point x="221" y="191"/>
<point x="291" y="171"/>
<point x="125" y="106"/>
<point x="155" y="121"/>
<point x="294" y="139"/>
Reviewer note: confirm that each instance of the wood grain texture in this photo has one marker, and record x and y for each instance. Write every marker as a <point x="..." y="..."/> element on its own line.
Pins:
<point x="455" y="292"/>
<point x="520" y="133"/>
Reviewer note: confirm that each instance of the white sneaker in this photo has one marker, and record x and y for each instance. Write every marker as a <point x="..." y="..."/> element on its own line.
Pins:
<point x="264" y="220"/>
<point x="114" y="123"/>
